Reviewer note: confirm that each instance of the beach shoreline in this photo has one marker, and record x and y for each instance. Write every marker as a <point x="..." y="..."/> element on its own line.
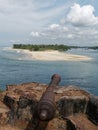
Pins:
<point x="52" y="55"/>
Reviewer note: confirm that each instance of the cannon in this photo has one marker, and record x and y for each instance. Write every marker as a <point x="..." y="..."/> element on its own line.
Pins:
<point x="46" y="107"/>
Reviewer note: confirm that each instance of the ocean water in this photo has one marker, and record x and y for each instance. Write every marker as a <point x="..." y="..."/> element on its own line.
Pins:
<point x="15" y="67"/>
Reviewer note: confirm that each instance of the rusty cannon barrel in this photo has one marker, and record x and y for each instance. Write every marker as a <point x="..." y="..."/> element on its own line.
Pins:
<point x="46" y="105"/>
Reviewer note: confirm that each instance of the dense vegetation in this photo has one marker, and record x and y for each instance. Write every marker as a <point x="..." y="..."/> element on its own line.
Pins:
<point x="41" y="47"/>
<point x="94" y="47"/>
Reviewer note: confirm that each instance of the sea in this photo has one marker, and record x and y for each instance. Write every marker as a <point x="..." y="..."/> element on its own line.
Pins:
<point x="16" y="67"/>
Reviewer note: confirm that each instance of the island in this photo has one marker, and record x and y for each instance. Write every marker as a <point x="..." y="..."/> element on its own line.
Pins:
<point x="49" y="52"/>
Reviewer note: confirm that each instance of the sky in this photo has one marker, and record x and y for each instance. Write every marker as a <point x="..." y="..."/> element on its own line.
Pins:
<point x="69" y="22"/>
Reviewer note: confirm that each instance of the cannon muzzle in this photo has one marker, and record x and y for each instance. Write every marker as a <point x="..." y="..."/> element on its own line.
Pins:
<point x="46" y="105"/>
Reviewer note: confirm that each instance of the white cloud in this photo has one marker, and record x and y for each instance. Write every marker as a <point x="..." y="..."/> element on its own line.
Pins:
<point x="46" y="20"/>
<point x="54" y="26"/>
<point x="65" y="29"/>
<point x="70" y="36"/>
<point x="82" y="16"/>
<point x="35" y="34"/>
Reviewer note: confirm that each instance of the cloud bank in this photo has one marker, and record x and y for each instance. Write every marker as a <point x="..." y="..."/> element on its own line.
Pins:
<point x="53" y="21"/>
<point x="80" y="27"/>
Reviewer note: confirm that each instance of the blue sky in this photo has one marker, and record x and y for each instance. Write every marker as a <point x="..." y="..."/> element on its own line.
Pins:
<point x="71" y="22"/>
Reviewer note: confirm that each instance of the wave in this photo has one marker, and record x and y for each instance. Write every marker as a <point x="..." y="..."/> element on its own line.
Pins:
<point x="14" y="54"/>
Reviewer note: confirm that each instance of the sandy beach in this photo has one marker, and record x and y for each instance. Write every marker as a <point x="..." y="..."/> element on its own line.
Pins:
<point x="52" y="55"/>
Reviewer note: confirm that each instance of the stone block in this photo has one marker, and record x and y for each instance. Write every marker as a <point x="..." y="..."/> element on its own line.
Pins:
<point x="72" y="105"/>
<point x="92" y="109"/>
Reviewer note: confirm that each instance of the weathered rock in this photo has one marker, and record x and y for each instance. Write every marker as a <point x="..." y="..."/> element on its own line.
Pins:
<point x="26" y="107"/>
<point x="92" y="109"/>
<point x="72" y="105"/>
<point x="4" y="114"/>
<point x="80" y="122"/>
<point x="20" y="102"/>
<point x="57" y="124"/>
<point x="9" y="101"/>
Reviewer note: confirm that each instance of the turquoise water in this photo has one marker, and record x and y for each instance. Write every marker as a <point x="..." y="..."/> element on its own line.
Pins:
<point x="79" y="73"/>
